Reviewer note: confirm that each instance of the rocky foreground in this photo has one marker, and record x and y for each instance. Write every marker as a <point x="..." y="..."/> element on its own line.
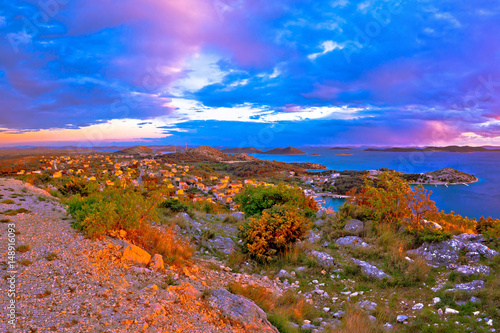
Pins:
<point x="67" y="283"/>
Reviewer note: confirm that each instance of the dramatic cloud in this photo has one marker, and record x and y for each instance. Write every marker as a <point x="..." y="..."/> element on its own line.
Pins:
<point x="370" y="72"/>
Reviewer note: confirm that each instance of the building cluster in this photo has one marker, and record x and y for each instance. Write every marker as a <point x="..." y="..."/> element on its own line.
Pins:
<point x="116" y="170"/>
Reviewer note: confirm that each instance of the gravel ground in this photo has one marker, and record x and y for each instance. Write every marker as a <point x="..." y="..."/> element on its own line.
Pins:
<point x="67" y="283"/>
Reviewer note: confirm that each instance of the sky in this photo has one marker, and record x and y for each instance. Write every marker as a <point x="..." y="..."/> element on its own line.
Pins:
<point x="259" y="73"/>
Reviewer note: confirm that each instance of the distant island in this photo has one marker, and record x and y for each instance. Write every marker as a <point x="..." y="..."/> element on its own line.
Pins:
<point x="341" y="148"/>
<point x="447" y="149"/>
<point x="275" y="151"/>
<point x="344" y="154"/>
<point x="314" y="155"/>
<point x="285" y="151"/>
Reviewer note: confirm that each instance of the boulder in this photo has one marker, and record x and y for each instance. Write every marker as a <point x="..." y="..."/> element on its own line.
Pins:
<point x="446" y="253"/>
<point x="466" y="270"/>
<point x="354" y="226"/>
<point x="324" y="259"/>
<point x="186" y="217"/>
<point x="157" y="263"/>
<point x="352" y="241"/>
<point x="370" y="270"/>
<point x="401" y="318"/>
<point x="418" y="306"/>
<point x="222" y="244"/>
<point x="481" y="249"/>
<point x="437" y="254"/>
<point x="367" y="305"/>
<point x="313" y="237"/>
<point x="242" y="310"/>
<point x="135" y="254"/>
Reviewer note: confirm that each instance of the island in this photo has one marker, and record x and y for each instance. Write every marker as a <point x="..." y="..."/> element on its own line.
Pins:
<point x="341" y="148"/>
<point x="344" y="154"/>
<point x="338" y="183"/>
<point x="447" y="149"/>
<point x="285" y="151"/>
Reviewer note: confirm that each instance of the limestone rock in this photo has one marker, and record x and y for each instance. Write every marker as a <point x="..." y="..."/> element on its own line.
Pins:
<point x="222" y="244"/>
<point x="370" y="270"/>
<point x="135" y="254"/>
<point x="401" y="318"/>
<point x="324" y="259"/>
<point x="352" y="241"/>
<point x="367" y="305"/>
<point x="157" y="262"/>
<point x="470" y="286"/>
<point x="473" y="270"/>
<point x="354" y="226"/>
<point x="313" y="237"/>
<point x="481" y="249"/>
<point x="446" y="253"/>
<point x="241" y="309"/>
<point x="437" y="254"/>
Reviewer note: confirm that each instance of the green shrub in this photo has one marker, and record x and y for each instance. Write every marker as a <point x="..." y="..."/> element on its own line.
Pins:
<point x="79" y="186"/>
<point x="255" y="199"/>
<point x="111" y="209"/>
<point x="274" y="232"/>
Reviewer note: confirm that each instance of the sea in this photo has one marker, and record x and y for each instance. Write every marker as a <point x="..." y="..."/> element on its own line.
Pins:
<point x="475" y="200"/>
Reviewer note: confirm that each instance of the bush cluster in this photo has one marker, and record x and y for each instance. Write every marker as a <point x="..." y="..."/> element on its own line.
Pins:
<point x="255" y="199"/>
<point x="274" y="232"/>
<point x="111" y="209"/>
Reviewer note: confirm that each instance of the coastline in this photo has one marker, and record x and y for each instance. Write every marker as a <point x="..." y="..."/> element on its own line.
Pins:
<point x="446" y="184"/>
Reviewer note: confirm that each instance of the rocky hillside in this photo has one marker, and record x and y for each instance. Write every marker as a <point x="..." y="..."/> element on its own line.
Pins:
<point x="136" y="150"/>
<point x="68" y="283"/>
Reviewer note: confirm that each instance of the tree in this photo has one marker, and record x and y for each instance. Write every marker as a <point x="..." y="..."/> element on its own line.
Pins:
<point x="390" y="199"/>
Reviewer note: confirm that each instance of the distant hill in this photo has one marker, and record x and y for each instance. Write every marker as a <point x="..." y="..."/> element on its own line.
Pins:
<point x="285" y="151"/>
<point x="448" y="149"/>
<point x="136" y="150"/>
<point x="205" y="154"/>
<point x="36" y="151"/>
<point x="341" y="148"/>
<point x="167" y="148"/>
<point x="245" y="150"/>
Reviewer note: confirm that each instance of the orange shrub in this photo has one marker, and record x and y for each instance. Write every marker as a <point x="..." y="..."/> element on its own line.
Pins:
<point x="274" y="232"/>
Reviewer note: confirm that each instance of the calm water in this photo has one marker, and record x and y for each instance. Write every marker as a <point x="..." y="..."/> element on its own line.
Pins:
<point x="476" y="200"/>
